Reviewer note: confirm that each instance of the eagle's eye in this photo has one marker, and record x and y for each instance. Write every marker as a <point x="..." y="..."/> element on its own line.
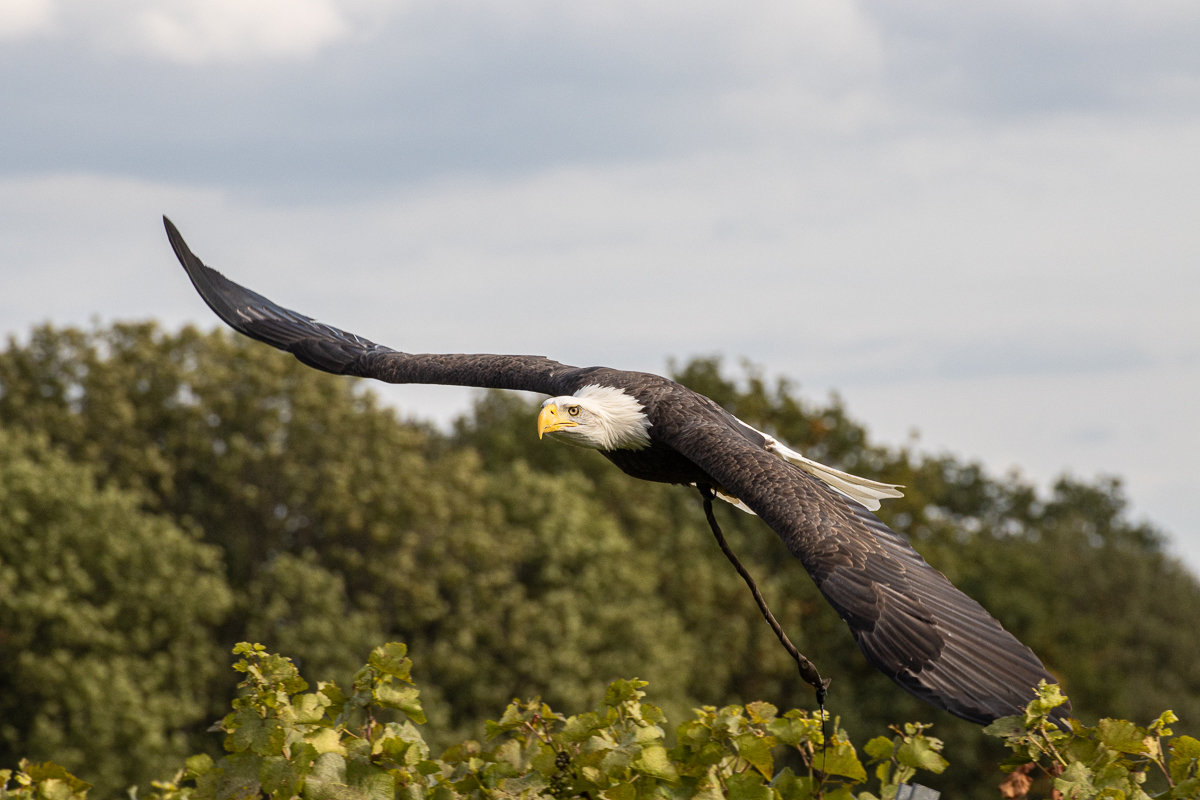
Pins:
<point x="573" y="411"/>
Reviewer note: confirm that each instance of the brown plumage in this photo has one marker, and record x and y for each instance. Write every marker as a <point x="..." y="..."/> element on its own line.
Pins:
<point x="907" y="618"/>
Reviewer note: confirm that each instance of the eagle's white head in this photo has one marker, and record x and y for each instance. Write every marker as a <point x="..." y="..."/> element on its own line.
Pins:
<point x="597" y="417"/>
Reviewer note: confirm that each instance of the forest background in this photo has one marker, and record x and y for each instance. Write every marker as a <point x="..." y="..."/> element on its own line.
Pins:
<point x="166" y="495"/>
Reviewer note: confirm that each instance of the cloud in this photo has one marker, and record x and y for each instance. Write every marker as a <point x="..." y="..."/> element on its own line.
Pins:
<point x="198" y="32"/>
<point x="304" y="98"/>
<point x="20" y="18"/>
<point x="1028" y="57"/>
<point x="203" y="31"/>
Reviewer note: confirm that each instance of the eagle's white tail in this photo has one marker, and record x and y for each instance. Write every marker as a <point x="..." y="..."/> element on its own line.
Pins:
<point x="864" y="490"/>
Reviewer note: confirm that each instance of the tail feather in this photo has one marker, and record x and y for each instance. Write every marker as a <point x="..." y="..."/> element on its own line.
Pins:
<point x="864" y="490"/>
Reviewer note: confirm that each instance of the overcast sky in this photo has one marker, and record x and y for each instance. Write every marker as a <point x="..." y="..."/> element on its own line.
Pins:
<point x="977" y="221"/>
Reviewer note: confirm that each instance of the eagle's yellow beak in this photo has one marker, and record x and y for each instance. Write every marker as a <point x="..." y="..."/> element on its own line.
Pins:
<point x="549" y="422"/>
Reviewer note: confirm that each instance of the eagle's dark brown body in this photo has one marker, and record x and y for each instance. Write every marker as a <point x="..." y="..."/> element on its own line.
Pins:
<point x="907" y="618"/>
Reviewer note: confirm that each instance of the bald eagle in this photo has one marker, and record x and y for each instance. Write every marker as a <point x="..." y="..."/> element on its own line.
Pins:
<point x="908" y="619"/>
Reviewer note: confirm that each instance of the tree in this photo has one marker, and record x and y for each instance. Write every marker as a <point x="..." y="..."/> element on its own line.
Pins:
<point x="506" y="581"/>
<point x="108" y="620"/>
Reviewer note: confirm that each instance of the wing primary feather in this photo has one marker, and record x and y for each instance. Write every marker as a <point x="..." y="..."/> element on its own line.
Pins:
<point x="908" y="619"/>
<point x="333" y="350"/>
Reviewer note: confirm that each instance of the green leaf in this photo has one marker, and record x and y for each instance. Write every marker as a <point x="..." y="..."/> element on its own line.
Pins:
<point x="1049" y="697"/>
<point x="919" y="754"/>
<point x="757" y="750"/>
<point x="1159" y="726"/>
<point x="789" y="731"/>
<point x="54" y="789"/>
<point x="621" y="691"/>
<point x="1185" y="747"/>
<point x="1186" y="790"/>
<point x="709" y="754"/>
<point x="278" y="775"/>
<point x="1089" y="751"/>
<point x="580" y="728"/>
<point x="693" y="733"/>
<point x="747" y="786"/>
<point x="648" y="734"/>
<point x="329" y="767"/>
<point x="303" y="755"/>
<point x="327" y="780"/>
<point x="761" y="712"/>
<point x="880" y="748"/>
<point x="337" y="698"/>
<point x="390" y="660"/>
<point x="394" y="748"/>
<point x="620" y="791"/>
<point x="269" y="739"/>
<point x="310" y="708"/>
<point x="653" y="714"/>
<point x="615" y="762"/>
<point x="1075" y="782"/>
<point x="655" y="762"/>
<point x="510" y="753"/>
<point x="530" y="784"/>
<point x="265" y="737"/>
<point x="404" y="698"/>
<point x="1185" y="753"/>
<point x="49" y="771"/>
<point x="791" y="787"/>
<point x="246" y="649"/>
<point x="706" y="788"/>
<point x="514" y="717"/>
<point x="326" y="740"/>
<point x="197" y="765"/>
<point x="373" y="782"/>
<point x="840" y="760"/>
<point x="839" y="793"/>
<point x="1007" y="727"/>
<point x="1122" y="735"/>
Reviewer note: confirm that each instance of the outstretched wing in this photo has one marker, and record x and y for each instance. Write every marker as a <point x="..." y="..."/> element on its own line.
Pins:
<point x="332" y="350"/>
<point x="908" y="619"/>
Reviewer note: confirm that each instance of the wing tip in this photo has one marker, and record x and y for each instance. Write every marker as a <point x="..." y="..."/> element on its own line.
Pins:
<point x="182" y="252"/>
<point x="206" y="280"/>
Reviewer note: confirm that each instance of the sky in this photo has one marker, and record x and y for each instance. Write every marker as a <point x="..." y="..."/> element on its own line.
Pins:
<point x="978" y="223"/>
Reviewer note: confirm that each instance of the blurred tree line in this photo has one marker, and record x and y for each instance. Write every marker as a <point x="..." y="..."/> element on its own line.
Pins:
<point x="165" y="495"/>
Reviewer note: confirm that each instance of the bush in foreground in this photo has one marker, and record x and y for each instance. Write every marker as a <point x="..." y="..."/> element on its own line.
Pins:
<point x="285" y="742"/>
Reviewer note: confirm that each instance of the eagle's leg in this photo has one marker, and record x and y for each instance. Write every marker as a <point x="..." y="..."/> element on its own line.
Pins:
<point x="808" y="671"/>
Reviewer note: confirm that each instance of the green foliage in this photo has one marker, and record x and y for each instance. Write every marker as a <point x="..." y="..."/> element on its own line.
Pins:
<point x="47" y="781"/>
<point x="515" y="567"/>
<point x="338" y="522"/>
<point x="1114" y="759"/>
<point x="107" y="622"/>
<point x="283" y="741"/>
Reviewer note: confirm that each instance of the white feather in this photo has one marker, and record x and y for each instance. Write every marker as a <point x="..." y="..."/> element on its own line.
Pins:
<point x="864" y="490"/>
<point x="615" y="421"/>
<point x="733" y="501"/>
